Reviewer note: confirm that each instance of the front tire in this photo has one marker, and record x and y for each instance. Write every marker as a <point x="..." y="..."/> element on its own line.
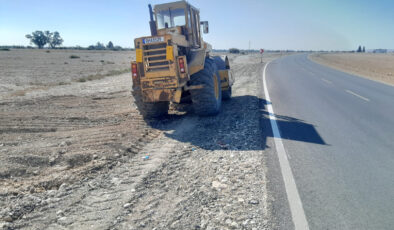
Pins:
<point x="207" y="100"/>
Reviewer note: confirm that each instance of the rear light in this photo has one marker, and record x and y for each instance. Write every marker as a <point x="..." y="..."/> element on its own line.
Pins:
<point x="181" y="65"/>
<point x="134" y="70"/>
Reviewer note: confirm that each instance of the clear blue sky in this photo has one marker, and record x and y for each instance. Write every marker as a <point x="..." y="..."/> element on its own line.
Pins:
<point x="270" y="24"/>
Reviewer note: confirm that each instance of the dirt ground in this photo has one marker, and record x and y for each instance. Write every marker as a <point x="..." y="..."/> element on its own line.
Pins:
<point x="79" y="155"/>
<point x="378" y="67"/>
<point x="24" y="70"/>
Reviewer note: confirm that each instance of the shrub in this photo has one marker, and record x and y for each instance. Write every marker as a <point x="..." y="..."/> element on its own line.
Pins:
<point x="74" y="56"/>
<point x="4" y="49"/>
<point x="234" y="51"/>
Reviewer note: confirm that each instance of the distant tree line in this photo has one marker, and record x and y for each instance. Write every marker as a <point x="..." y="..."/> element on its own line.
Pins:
<point x="241" y="51"/>
<point x="101" y="46"/>
<point x="54" y="40"/>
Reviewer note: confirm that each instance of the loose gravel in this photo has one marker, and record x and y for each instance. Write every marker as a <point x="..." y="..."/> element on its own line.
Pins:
<point x="109" y="169"/>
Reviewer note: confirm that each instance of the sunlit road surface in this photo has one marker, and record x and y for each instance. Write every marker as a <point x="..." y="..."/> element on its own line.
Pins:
<point x="338" y="134"/>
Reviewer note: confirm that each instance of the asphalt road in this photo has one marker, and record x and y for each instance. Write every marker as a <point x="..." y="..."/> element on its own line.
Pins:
<point x="338" y="132"/>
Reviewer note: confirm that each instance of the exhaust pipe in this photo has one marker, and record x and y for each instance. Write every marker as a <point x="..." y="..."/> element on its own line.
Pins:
<point x="152" y="23"/>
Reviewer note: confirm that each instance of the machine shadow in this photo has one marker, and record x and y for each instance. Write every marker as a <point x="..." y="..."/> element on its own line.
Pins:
<point x="295" y="129"/>
<point x="242" y="125"/>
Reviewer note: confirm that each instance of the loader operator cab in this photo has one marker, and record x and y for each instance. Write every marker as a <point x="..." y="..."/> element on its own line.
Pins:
<point x="180" y="18"/>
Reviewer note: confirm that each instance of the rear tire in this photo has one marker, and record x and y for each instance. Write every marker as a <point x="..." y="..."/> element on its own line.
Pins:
<point x="207" y="100"/>
<point x="150" y="110"/>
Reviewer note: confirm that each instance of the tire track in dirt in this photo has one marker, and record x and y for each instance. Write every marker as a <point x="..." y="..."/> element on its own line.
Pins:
<point x="99" y="202"/>
<point x="204" y="172"/>
<point x="50" y="141"/>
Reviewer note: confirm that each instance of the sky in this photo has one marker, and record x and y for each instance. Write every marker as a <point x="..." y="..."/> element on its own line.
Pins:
<point x="268" y="24"/>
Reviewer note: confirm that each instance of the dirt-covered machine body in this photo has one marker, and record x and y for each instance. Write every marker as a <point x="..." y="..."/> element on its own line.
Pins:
<point x="168" y="62"/>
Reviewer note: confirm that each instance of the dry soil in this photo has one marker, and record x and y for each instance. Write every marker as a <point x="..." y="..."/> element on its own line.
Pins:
<point x="79" y="155"/>
<point x="378" y="67"/>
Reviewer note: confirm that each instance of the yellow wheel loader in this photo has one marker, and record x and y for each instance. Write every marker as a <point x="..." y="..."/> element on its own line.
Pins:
<point x="174" y="64"/>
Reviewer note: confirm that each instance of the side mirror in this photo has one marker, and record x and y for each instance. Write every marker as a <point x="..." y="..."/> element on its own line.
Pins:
<point x="205" y="26"/>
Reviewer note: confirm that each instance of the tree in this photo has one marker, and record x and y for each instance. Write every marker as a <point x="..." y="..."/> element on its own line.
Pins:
<point x="359" y="49"/>
<point x="110" y="45"/>
<point x="55" y="39"/>
<point x="100" y="46"/>
<point x="234" y="50"/>
<point x="363" y="49"/>
<point x="38" y="38"/>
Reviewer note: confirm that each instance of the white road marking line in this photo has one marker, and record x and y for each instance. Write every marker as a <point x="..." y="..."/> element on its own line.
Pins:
<point x="326" y="81"/>
<point x="355" y="94"/>
<point x="297" y="211"/>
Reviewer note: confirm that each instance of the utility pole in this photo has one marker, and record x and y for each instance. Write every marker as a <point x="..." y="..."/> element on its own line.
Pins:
<point x="249" y="46"/>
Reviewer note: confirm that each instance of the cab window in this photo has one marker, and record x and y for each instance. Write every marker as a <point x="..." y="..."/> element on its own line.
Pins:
<point x="170" y="18"/>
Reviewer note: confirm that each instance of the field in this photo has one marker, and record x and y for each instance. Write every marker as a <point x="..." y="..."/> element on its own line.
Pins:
<point x="53" y="124"/>
<point x="378" y="67"/>
<point x="28" y="70"/>
<point x="75" y="152"/>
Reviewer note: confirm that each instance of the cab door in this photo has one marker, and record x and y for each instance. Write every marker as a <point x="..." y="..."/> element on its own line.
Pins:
<point x="194" y="27"/>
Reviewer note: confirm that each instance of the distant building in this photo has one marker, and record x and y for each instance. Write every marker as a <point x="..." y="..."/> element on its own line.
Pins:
<point x="380" y="51"/>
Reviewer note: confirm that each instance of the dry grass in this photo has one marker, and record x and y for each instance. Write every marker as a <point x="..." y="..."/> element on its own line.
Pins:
<point x="378" y="67"/>
<point x="19" y="93"/>
<point x="23" y="92"/>
<point x="101" y="76"/>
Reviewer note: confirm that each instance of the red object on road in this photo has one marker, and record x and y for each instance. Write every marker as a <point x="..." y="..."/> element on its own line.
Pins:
<point x="261" y="51"/>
